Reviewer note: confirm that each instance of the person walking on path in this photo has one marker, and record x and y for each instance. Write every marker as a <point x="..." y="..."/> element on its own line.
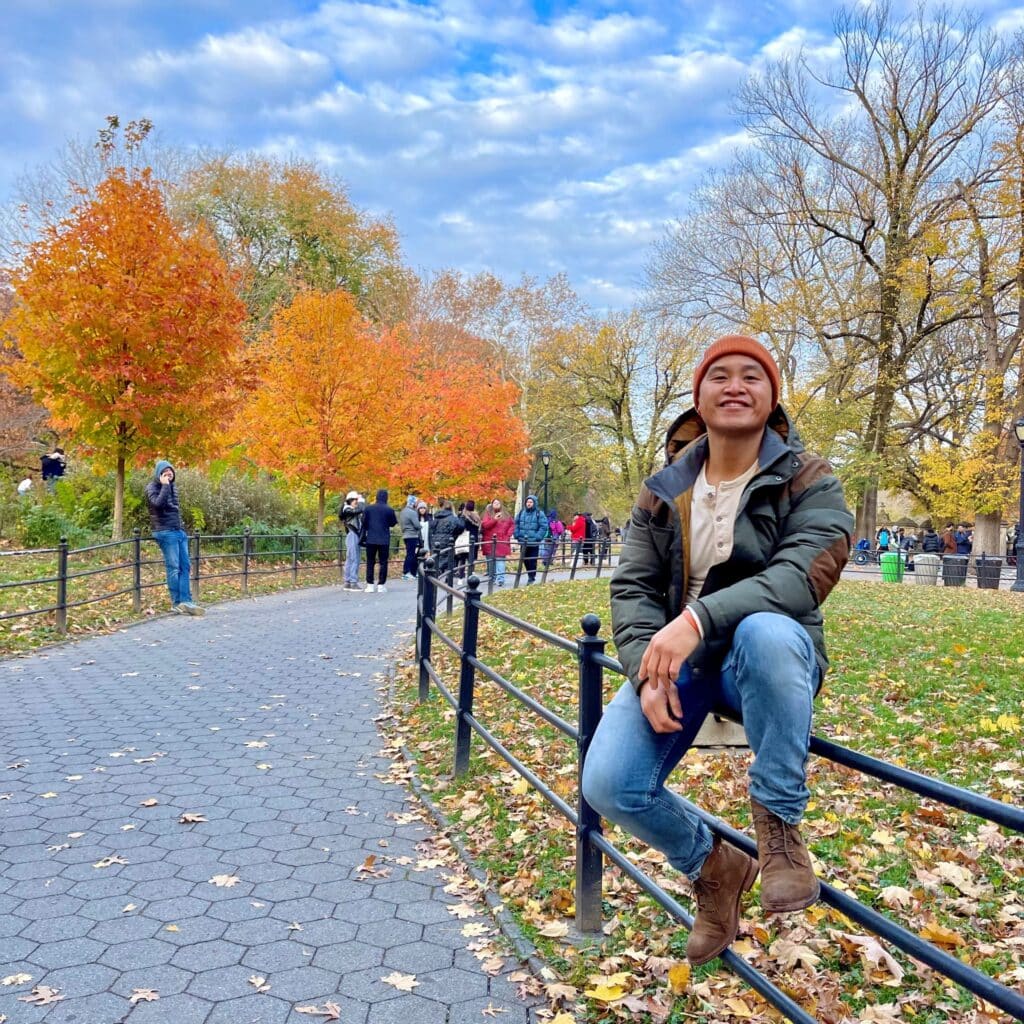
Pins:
<point x="351" y="516"/>
<point x="165" y="523"/>
<point x="530" y="530"/>
<point x="496" y="536"/>
<point x="378" y="519"/>
<point x="948" y="540"/>
<point x="409" y="522"/>
<point x="733" y="547"/>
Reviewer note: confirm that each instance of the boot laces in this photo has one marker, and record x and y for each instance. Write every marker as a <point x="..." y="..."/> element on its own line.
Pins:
<point x="779" y="840"/>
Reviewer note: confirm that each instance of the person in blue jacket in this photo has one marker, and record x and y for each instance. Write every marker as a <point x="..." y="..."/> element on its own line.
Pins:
<point x="531" y="528"/>
<point x="165" y="522"/>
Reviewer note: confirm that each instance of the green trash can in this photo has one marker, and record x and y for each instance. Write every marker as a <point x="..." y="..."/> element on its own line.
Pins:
<point x="892" y="566"/>
<point x="954" y="570"/>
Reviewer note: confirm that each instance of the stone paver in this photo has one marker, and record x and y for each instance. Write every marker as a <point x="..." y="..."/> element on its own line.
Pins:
<point x="260" y="718"/>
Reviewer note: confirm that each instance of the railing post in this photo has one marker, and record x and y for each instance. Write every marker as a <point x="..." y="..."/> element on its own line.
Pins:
<point x="196" y="572"/>
<point x="519" y="568"/>
<point x="589" y="861"/>
<point x="492" y="565"/>
<point x="600" y="558"/>
<point x="428" y="605"/>
<point x="449" y="578"/>
<point x="341" y="554"/>
<point x="62" y="586"/>
<point x="246" y="537"/>
<point x="136" y="570"/>
<point x="295" y="556"/>
<point x="577" y="548"/>
<point x="467" y="674"/>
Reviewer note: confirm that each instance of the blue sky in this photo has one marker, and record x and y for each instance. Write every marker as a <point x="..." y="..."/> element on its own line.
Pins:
<point x="519" y="137"/>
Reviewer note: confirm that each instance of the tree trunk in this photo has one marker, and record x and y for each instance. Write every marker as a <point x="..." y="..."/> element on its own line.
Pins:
<point x="989" y="536"/>
<point x="118" y="529"/>
<point x="321" y="500"/>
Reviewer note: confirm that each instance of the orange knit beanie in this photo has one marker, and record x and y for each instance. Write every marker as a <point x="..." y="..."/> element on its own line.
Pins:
<point x="737" y="345"/>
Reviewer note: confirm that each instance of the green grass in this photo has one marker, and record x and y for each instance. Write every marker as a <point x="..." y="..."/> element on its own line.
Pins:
<point x="927" y="677"/>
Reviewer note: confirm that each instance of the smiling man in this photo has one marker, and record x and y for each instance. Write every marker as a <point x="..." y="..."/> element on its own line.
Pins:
<point x="732" y="549"/>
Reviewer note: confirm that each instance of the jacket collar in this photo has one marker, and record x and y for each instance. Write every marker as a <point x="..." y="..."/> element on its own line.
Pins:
<point x="779" y="447"/>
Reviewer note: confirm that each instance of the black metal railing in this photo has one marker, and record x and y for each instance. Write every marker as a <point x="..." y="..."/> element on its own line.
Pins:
<point x="591" y="844"/>
<point x="242" y="556"/>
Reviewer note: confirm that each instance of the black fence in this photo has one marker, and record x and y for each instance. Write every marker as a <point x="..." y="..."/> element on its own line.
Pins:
<point x="592" y="846"/>
<point x="138" y="566"/>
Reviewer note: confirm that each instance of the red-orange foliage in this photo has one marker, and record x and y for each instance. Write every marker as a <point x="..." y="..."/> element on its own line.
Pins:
<point x="128" y="327"/>
<point x="340" y="404"/>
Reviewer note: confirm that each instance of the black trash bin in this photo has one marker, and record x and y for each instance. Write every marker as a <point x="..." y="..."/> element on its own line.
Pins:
<point x="989" y="569"/>
<point x="954" y="570"/>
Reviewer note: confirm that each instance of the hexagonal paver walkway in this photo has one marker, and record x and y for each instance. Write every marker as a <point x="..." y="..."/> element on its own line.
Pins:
<point x="189" y="805"/>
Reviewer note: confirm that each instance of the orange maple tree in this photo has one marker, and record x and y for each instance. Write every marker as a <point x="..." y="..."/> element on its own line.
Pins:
<point x="340" y="404"/>
<point x="326" y="395"/>
<point x="128" y="328"/>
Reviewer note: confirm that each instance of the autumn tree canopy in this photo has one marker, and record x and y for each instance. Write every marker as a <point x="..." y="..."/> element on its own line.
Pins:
<point x="340" y="403"/>
<point x="128" y="328"/>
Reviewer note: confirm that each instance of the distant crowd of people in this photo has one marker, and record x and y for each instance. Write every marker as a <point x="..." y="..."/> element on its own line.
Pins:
<point x="953" y="540"/>
<point x="457" y="536"/>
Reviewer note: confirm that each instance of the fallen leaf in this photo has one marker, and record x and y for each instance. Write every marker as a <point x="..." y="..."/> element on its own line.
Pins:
<point x="940" y="935"/>
<point x="264" y="767"/>
<point x="128" y="908"/>
<point x="256" y="744"/>
<point x="140" y="995"/>
<point x="874" y="953"/>
<point x="41" y="995"/>
<point x="330" y="1011"/>
<point x="473" y="929"/>
<point x="679" y="979"/>
<point x="562" y="1018"/>
<point x="225" y="881"/>
<point x="172" y="928"/>
<point x="259" y="983"/>
<point x="151" y="802"/>
<point x="554" y="930"/>
<point x="490" y="1010"/>
<point x="48" y="796"/>
<point x="403" y="982"/>
<point x="792" y="954"/>
<point x="110" y="861"/>
<point x="295" y="927"/>
<point x="16" y="979"/>
<point x="191" y="819"/>
<point x="605" y="993"/>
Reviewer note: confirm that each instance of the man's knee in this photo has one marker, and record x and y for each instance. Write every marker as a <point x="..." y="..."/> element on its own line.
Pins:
<point x="770" y="638"/>
<point x="610" y="788"/>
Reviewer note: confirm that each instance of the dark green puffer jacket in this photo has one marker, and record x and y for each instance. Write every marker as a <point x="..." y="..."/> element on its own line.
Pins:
<point x="791" y="541"/>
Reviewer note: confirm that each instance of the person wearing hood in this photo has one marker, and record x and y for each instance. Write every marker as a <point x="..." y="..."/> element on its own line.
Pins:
<point x="409" y="522"/>
<point x="351" y="516"/>
<point x="530" y="530"/>
<point x="165" y="523"/>
<point x="375" y="536"/>
<point x="733" y="548"/>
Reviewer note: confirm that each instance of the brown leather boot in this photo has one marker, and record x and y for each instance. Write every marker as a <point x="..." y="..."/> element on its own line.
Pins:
<point x="787" y="878"/>
<point x="726" y="875"/>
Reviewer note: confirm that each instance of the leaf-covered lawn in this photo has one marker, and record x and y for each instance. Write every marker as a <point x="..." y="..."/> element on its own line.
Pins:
<point x="925" y="676"/>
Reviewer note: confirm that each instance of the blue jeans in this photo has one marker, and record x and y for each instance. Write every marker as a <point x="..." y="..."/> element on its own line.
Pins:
<point x="351" y="557"/>
<point x="174" y="545"/>
<point x="770" y="676"/>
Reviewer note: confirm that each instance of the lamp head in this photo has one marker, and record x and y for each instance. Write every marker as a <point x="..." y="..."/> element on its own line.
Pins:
<point x="1018" y="429"/>
<point x="545" y="457"/>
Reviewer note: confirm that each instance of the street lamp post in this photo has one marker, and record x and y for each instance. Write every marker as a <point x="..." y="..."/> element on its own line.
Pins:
<point x="545" y="457"/>
<point x="1018" y="583"/>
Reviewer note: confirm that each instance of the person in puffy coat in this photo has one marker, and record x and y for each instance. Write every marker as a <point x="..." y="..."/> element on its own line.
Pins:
<point x="733" y="548"/>
<point x="530" y="530"/>
<point x="446" y="527"/>
<point x="409" y="522"/>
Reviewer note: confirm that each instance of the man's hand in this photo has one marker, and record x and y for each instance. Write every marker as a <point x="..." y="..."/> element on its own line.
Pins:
<point x="166" y="476"/>
<point x="659" y="670"/>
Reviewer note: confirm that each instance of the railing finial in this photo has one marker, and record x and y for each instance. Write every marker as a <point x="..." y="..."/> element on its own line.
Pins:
<point x="590" y="624"/>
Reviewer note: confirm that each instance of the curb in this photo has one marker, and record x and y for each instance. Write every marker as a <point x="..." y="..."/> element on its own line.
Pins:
<point x="524" y="949"/>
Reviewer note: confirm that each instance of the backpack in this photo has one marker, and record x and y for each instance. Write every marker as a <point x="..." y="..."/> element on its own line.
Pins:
<point x="883" y="539"/>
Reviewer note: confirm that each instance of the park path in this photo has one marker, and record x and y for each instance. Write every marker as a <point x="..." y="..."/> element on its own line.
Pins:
<point x="259" y="718"/>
